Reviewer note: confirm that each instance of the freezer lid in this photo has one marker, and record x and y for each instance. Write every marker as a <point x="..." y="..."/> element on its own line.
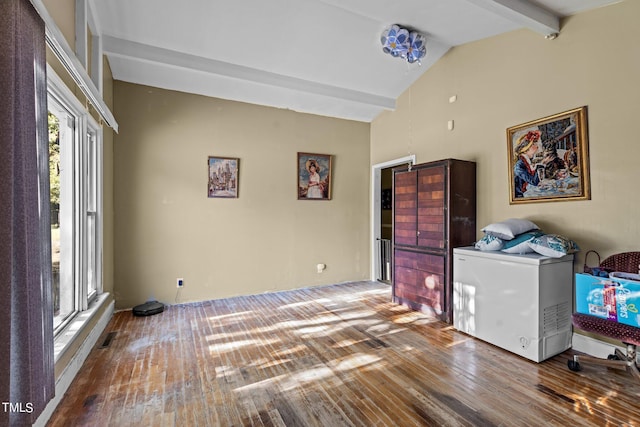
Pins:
<point x="531" y="258"/>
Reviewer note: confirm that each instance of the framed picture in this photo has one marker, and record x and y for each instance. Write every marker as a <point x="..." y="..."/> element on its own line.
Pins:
<point x="223" y="177"/>
<point x="549" y="158"/>
<point x="314" y="176"/>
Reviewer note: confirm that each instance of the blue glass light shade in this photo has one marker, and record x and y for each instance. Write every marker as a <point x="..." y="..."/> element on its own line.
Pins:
<point x="417" y="47"/>
<point x="395" y="41"/>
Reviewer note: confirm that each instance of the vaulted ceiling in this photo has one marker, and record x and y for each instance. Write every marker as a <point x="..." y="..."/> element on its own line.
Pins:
<point x="315" y="56"/>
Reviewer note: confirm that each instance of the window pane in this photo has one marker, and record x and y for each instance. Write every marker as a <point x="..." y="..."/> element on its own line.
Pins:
<point x="92" y="228"/>
<point x="91" y="255"/>
<point x="61" y="136"/>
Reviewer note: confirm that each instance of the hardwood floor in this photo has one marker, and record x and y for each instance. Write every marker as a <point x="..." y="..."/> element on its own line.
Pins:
<point x="340" y="355"/>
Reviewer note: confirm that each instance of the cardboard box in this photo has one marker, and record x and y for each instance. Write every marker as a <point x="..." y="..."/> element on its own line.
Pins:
<point x="610" y="298"/>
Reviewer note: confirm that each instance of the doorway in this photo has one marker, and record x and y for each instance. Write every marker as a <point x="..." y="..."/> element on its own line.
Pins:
<point x="382" y="217"/>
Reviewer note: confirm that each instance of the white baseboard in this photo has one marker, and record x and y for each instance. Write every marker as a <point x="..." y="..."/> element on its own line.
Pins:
<point x="72" y="369"/>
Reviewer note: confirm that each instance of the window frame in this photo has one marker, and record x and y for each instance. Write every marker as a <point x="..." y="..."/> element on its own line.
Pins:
<point x="93" y="208"/>
<point x="86" y="127"/>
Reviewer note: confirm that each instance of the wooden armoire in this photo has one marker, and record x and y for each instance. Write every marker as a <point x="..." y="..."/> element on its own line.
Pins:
<point x="434" y="211"/>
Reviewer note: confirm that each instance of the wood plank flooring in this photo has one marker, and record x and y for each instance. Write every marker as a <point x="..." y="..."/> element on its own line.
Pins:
<point x="340" y="355"/>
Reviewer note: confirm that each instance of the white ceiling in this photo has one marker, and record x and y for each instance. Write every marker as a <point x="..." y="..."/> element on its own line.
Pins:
<point x="315" y="56"/>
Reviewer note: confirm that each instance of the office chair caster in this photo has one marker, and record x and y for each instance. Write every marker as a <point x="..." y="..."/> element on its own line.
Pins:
<point x="574" y="365"/>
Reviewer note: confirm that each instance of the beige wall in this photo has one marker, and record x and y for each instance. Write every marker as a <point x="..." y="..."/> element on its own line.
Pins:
<point x="517" y="77"/>
<point x="166" y="227"/>
<point x="64" y="13"/>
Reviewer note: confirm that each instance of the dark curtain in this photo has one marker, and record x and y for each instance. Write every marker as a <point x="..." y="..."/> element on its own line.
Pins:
<point x="27" y="380"/>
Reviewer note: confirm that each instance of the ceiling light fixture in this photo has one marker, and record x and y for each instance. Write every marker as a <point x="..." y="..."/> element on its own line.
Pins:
<point x="403" y="43"/>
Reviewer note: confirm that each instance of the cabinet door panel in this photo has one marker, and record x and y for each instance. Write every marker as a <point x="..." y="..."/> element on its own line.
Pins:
<point x="431" y="207"/>
<point x="419" y="280"/>
<point x="405" y="259"/>
<point x="405" y="204"/>
<point x="405" y="286"/>
<point x="433" y="264"/>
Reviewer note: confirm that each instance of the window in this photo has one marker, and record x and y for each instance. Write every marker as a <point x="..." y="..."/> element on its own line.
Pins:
<point x="75" y="203"/>
<point x="93" y="209"/>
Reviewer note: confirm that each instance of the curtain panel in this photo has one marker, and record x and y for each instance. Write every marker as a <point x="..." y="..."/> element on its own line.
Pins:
<point x="27" y="380"/>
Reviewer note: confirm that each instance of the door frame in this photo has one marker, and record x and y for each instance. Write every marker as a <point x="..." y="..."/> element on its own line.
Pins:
<point x="376" y="204"/>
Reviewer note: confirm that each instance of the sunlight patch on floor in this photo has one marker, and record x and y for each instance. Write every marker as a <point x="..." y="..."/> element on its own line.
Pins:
<point x="379" y="327"/>
<point x="225" y="371"/>
<point x="412" y="317"/>
<point x="604" y="400"/>
<point x="235" y="345"/>
<point x="351" y="314"/>
<point x="582" y="404"/>
<point x="392" y="306"/>
<point x="391" y="332"/>
<point x="455" y="342"/>
<point x="294" y="305"/>
<point x="289" y="351"/>
<point x="231" y="315"/>
<point x="267" y="384"/>
<point x="224" y="336"/>
<point x="312" y="331"/>
<point x="330" y="318"/>
<point x="375" y="292"/>
<point x="265" y="363"/>
<point x="345" y="343"/>
<point x="307" y="376"/>
<point x="384" y="329"/>
<point x="355" y="361"/>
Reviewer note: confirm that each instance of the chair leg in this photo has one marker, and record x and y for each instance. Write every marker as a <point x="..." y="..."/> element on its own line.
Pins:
<point x="619" y="360"/>
<point x="609" y="363"/>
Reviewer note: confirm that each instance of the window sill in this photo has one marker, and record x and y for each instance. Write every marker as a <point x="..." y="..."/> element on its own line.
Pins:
<point x="69" y="334"/>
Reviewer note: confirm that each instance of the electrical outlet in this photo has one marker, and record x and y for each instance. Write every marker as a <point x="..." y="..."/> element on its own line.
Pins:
<point x="179" y="283"/>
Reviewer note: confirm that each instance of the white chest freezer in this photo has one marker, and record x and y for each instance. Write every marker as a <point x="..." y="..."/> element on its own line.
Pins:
<point x="521" y="303"/>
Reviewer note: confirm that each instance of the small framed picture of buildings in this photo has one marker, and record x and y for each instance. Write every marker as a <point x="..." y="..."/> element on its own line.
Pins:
<point x="223" y="177"/>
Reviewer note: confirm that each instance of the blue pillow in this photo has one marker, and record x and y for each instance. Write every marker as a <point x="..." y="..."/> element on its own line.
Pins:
<point x="520" y="243"/>
<point x="489" y="243"/>
<point x="553" y="245"/>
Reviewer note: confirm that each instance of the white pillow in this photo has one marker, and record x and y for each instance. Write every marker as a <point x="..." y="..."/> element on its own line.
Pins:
<point x="509" y="228"/>
<point x="489" y="243"/>
<point x="553" y="245"/>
